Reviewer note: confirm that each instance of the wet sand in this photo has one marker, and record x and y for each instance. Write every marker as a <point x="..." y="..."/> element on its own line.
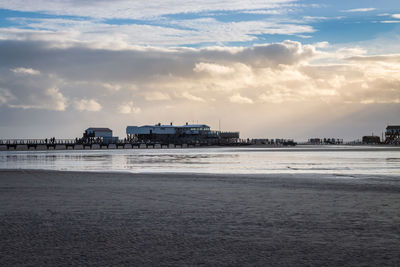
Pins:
<point x="76" y="218"/>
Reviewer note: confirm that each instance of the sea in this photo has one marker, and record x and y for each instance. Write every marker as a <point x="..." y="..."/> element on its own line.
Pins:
<point x="339" y="161"/>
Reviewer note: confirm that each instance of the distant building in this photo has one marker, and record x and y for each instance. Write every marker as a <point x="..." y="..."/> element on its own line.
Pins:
<point x="103" y="135"/>
<point x="325" y="141"/>
<point x="371" y="140"/>
<point x="315" y="141"/>
<point x="259" y="141"/>
<point x="98" y="132"/>
<point x="392" y="134"/>
<point x="188" y="133"/>
<point x="393" y="130"/>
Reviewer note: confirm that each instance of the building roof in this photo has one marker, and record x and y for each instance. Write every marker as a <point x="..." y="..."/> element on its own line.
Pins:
<point x="99" y="129"/>
<point x="174" y="126"/>
<point x="196" y="126"/>
<point x="393" y="127"/>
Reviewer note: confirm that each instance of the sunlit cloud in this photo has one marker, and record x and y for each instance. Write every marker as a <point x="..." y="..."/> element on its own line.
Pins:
<point x="192" y="97"/>
<point x="360" y="9"/>
<point x="137" y="9"/>
<point x="237" y="98"/>
<point x="97" y="34"/>
<point x="28" y="71"/>
<point x="87" y="105"/>
<point x="129" y="108"/>
<point x="212" y="68"/>
<point x="157" y="96"/>
<point x="390" y="21"/>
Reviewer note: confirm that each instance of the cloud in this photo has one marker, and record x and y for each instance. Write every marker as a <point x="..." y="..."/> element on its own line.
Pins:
<point x="396" y="16"/>
<point x="29" y="90"/>
<point x="350" y="52"/>
<point x="28" y="71"/>
<point x="87" y="105"/>
<point x="136" y="9"/>
<point x="390" y="21"/>
<point x="383" y="58"/>
<point x="129" y="108"/>
<point x="213" y="69"/>
<point x="277" y="72"/>
<point x="99" y="34"/>
<point x="54" y="100"/>
<point x="265" y="79"/>
<point x="59" y="102"/>
<point x="113" y="87"/>
<point x="156" y="96"/>
<point x="373" y="101"/>
<point x="314" y="19"/>
<point x="264" y="12"/>
<point x="191" y="97"/>
<point x="5" y="96"/>
<point x="237" y="98"/>
<point x="97" y="24"/>
<point x="360" y="9"/>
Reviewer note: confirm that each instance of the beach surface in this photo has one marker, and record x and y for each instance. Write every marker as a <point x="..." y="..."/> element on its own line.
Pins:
<point x="52" y="218"/>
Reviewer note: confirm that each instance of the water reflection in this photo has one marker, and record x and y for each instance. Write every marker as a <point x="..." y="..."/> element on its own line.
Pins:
<point x="212" y="160"/>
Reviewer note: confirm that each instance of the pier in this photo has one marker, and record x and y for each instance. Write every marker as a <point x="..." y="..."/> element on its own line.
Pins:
<point x="78" y="144"/>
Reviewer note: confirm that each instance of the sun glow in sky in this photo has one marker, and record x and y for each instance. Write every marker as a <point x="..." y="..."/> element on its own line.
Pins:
<point x="267" y="68"/>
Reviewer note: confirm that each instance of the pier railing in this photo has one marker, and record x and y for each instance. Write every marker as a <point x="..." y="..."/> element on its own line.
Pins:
<point x="37" y="141"/>
<point x="81" y="143"/>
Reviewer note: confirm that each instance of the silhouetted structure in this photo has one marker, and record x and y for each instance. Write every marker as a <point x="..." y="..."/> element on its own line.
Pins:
<point x="325" y="141"/>
<point x="99" y="135"/>
<point x="185" y="134"/>
<point x="371" y="139"/>
<point x="392" y="135"/>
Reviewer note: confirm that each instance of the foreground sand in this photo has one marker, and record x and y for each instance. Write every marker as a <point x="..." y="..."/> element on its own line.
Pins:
<point x="75" y="218"/>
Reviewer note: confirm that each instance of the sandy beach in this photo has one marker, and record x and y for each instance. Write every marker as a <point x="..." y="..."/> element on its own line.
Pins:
<point x="77" y="218"/>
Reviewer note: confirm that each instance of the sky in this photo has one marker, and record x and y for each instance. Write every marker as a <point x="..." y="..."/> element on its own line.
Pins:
<point x="267" y="68"/>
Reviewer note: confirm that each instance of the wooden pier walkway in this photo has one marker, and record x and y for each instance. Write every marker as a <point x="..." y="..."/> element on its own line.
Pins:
<point x="75" y="144"/>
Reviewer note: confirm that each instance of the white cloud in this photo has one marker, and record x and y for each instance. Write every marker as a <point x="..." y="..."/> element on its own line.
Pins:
<point x="113" y="87"/>
<point x="237" y="98"/>
<point x="322" y="44"/>
<point x="313" y="18"/>
<point x="191" y="97"/>
<point x="97" y="34"/>
<point x="304" y="36"/>
<point x="156" y="96"/>
<point x="212" y="68"/>
<point x="129" y="108"/>
<point x="87" y="105"/>
<point x="377" y="58"/>
<point x="396" y="16"/>
<point x="275" y="98"/>
<point x="53" y="100"/>
<point x="58" y="101"/>
<point x="137" y="9"/>
<point x="390" y="21"/>
<point x="350" y="51"/>
<point x="28" y="71"/>
<point x="264" y="12"/>
<point x="360" y="9"/>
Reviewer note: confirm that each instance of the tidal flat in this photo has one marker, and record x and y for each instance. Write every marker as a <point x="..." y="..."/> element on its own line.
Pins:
<point x="52" y="218"/>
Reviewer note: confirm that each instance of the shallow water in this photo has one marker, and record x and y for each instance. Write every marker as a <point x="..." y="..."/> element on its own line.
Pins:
<point x="338" y="161"/>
